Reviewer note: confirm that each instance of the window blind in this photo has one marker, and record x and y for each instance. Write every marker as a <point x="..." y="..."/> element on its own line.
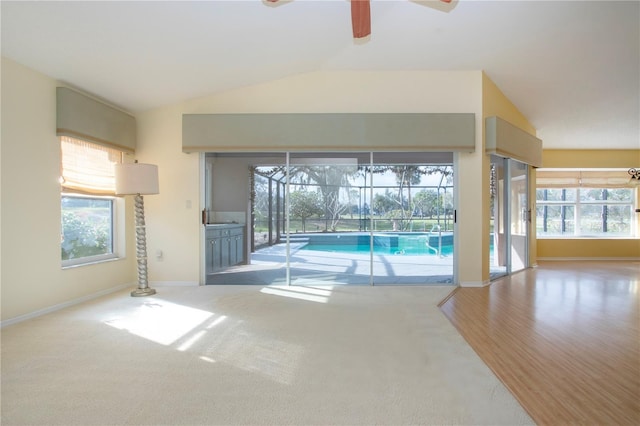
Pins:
<point x="549" y="178"/>
<point x="87" y="168"/>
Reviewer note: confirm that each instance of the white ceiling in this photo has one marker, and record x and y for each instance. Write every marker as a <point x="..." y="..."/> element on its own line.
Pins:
<point x="571" y="67"/>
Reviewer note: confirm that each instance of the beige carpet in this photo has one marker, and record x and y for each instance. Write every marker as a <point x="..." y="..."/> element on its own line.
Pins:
<point x="250" y="355"/>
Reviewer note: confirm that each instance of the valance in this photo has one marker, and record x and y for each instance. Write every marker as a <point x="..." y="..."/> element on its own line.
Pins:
<point x="81" y="117"/>
<point x="506" y="140"/>
<point x="321" y="132"/>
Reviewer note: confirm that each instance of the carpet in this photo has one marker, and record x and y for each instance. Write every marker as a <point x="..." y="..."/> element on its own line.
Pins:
<point x="240" y="355"/>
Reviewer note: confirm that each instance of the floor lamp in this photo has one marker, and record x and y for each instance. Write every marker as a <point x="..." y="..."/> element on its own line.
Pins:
<point x="138" y="179"/>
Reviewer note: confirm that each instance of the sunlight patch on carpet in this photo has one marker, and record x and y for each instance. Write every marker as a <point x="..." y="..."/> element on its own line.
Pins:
<point x="160" y="321"/>
<point x="311" y="294"/>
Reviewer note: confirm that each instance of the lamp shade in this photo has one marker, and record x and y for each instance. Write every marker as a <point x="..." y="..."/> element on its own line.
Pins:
<point x="136" y="178"/>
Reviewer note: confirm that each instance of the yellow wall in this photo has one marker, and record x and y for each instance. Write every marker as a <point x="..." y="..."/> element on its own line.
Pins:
<point x="586" y="248"/>
<point x="495" y="103"/>
<point x="591" y="158"/>
<point x="32" y="276"/>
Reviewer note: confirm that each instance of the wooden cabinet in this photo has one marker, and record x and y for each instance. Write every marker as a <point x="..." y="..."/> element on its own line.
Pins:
<point x="224" y="247"/>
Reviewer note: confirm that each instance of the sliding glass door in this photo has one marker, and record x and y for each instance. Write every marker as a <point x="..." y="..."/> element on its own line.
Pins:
<point x="412" y="218"/>
<point x="520" y="216"/>
<point x="327" y="243"/>
<point x="510" y="216"/>
<point x="498" y="253"/>
<point x="338" y="218"/>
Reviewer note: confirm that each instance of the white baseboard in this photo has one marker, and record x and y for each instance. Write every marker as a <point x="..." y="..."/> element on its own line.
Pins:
<point x="476" y="284"/>
<point x="173" y="284"/>
<point x="63" y="305"/>
<point x="589" y="259"/>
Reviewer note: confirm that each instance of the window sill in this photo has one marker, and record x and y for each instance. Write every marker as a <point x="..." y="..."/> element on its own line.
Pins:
<point x="92" y="262"/>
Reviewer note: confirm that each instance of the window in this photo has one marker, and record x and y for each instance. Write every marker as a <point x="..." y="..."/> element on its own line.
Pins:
<point x="87" y="228"/>
<point x="87" y="202"/>
<point x="584" y="212"/>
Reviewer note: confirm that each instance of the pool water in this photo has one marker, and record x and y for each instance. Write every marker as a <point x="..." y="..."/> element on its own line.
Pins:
<point x="355" y="249"/>
<point x="401" y="245"/>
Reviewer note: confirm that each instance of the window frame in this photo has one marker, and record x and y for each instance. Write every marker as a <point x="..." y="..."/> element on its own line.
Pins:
<point x="115" y="246"/>
<point x="577" y="203"/>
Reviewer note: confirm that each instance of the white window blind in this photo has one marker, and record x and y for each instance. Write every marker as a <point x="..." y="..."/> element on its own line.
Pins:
<point x="87" y="168"/>
<point x="550" y="178"/>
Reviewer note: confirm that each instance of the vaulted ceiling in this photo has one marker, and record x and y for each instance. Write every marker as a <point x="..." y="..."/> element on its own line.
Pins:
<point x="571" y="67"/>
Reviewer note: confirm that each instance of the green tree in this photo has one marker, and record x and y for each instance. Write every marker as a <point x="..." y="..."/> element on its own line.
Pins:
<point x="407" y="176"/>
<point x="330" y="180"/>
<point x="305" y="204"/>
<point x="84" y="235"/>
<point x="353" y="202"/>
<point x="426" y="202"/>
<point x="383" y="203"/>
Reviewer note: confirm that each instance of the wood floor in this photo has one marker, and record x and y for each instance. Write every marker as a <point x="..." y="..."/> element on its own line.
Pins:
<point x="564" y="338"/>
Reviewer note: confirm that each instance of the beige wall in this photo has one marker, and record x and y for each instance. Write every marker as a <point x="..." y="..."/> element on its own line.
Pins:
<point x="173" y="216"/>
<point x="32" y="277"/>
<point x="454" y="92"/>
<point x="31" y="224"/>
<point x="587" y="248"/>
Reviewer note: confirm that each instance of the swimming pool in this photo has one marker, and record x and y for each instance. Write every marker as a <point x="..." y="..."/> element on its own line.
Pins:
<point x="401" y="243"/>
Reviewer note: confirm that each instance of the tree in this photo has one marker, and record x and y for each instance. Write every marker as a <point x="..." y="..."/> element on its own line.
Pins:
<point x="426" y="202"/>
<point x="330" y="180"/>
<point x="383" y="203"/>
<point x="261" y="198"/>
<point x="353" y="201"/>
<point x="406" y="175"/>
<point x="409" y="175"/>
<point x="305" y="204"/>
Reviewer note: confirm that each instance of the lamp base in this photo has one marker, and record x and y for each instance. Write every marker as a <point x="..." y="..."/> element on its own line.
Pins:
<point x="140" y="292"/>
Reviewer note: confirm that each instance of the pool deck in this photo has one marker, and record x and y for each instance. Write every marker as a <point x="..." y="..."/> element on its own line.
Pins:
<point x="313" y="267"/>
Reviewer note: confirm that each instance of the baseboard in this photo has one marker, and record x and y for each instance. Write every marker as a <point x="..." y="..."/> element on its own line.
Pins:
<point x="63" y="305"/>
<point x="589" y="259"/>
<point x="173" y="284"/>
<point x="476" y="284"/>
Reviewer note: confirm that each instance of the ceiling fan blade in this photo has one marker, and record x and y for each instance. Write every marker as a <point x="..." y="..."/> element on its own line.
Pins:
<point x="360" y="18"/>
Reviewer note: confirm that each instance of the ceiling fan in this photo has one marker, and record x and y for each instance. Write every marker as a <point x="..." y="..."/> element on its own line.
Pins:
<point x="360" y="16"/>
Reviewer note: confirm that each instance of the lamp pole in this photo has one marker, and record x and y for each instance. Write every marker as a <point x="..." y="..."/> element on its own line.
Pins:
<point x="141" y="250"/>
